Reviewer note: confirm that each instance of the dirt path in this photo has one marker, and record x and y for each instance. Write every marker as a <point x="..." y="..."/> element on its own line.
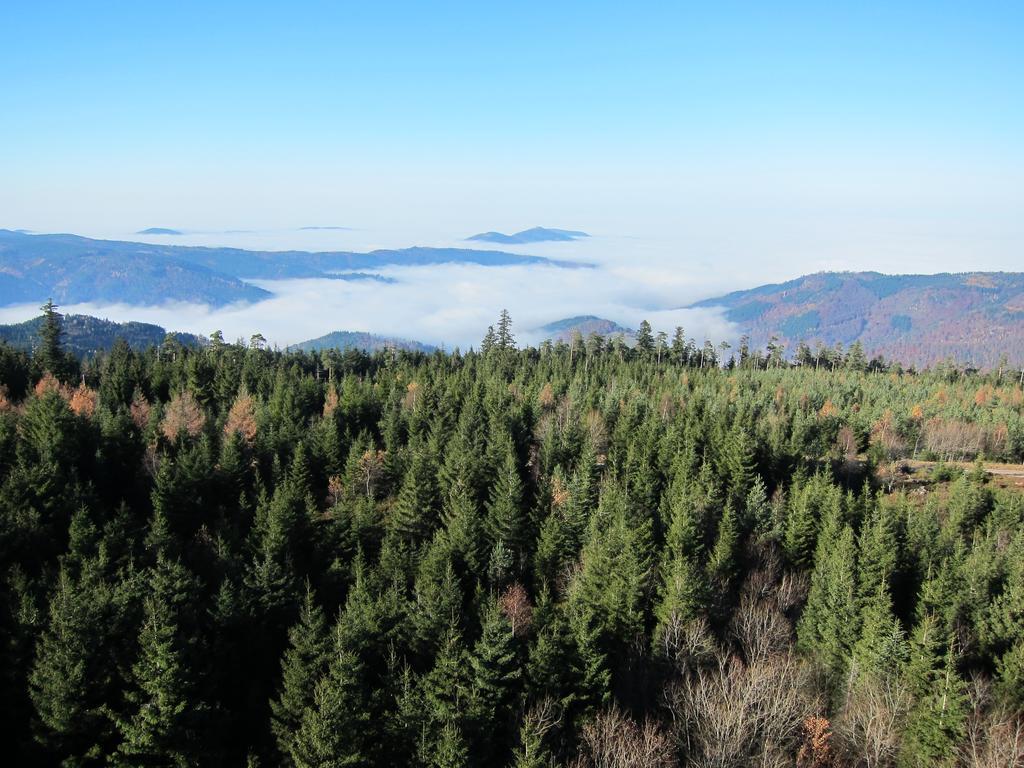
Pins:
<point x="1001" y="470"/>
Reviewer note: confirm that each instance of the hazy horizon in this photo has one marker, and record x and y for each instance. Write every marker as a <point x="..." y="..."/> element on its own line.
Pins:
<point x="706" y="148"/>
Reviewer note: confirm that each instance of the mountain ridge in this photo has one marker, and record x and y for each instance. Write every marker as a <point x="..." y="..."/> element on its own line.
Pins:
<point x="72" y="269"/>
<point x="368" y="342"/>
<point x="85" y="335"/>
<point x="971" y="317"/>
<point x="527" y="236"/>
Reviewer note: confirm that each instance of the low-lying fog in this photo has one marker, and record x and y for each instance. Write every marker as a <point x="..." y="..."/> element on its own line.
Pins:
<point x="449" y="304"/>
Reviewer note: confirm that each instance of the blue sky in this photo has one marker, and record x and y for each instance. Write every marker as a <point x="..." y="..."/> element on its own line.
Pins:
<point x="800" y="135"/>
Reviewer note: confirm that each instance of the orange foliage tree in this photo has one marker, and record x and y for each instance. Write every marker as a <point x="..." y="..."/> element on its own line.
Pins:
<point x="183" y="415"/>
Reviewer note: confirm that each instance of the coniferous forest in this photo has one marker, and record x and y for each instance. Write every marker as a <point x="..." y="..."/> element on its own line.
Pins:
<point x="588" y="554"/>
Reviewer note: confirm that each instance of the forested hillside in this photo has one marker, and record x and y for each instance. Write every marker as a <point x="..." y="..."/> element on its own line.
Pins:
<point x="975" y="318"/>
<point x="585" y="554"/>
<point x="84" y="335"/>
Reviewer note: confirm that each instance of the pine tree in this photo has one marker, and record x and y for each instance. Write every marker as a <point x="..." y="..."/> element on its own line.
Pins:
<point x="463" y="527"/>
<point x="506" y="341"/>
<point x="679" y="351"/>
<point x="437" y="596"/>
<point x="828" y="625"/>
<point x="490" y="341"/>
<point x="447" y="687"/>
<point x="937" y="716"/>
<point x="878" y="552"/>
<point x="723" y="564"/>
<point x="162" y="718"/>
<point x="682" y="594"/>
<point x="451" y="750"/>
<point x="740" y="465"/>
<point x="303" y="664"/>
<point x="332" y="730"/>
<point x="506" y="524"/>
<point x="1010" y="676"/>
<point x="496" y="676"/>
<point x="71" y="678"/>
<point x="645" y="340"/>
<point x="881" y="649"/>
<point x="51" y="351"/>
<point x="414" y="515"/>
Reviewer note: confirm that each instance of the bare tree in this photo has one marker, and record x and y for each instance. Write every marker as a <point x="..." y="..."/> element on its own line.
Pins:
<point x="870" y="720"/>
<point x="614" y="740"/>
<point x="748" y="706"/>
<point x="515" y="604"/>
<point x="995" y="736"/>
<point x="735" y="714"/>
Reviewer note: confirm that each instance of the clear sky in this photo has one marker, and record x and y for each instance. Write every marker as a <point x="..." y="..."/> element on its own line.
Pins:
<point x="758" y="139"/>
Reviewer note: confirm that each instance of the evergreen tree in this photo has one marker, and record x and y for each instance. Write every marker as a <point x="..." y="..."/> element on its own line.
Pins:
<point x="51" y="351"/>
<point x="451" y="750"/>
<point x="302" y="666"/>
<point x="937" y="716"/>
<point x="495" y="678"/>
<point x="332" y="730"/>
<point x="828" y="625"/>
<point x="162" y="719"/>
<point x="415" y="512"/>
<point x="72" y="677"/>
<point x="645" y="340"/>
<point x="505" y="340"/>
<point x="683" y="590"/>
<point x="506" y="523"/>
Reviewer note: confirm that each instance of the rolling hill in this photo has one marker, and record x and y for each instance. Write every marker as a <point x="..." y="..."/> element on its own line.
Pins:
<point x="367" y="342"/>
<point x="85" y="335"/>
<point x="71" y="269"/>
<point x="562" y="330"/>
<point x="534" y="235"/>
<point x="972" y="317"/>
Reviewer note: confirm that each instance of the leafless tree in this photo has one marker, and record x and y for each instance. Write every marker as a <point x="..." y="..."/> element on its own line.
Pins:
<point x="871" y="717"/>
<point x="614" y="740"/>
<point x="995" y="736"/>
<point x="749" y="705"/>
<point x="516" y="606"/>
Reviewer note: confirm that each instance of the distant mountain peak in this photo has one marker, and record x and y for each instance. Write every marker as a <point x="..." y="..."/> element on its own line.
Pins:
<point x="368" y="342"/>
<point x="159" y="231"/>
<point x="533" y="235"/>
<point x="562" y="330"/>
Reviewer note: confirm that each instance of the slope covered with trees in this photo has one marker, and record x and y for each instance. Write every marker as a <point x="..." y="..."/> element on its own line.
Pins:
<point x="84" y="335"/>
<point x="584" y="554"/>
<point x="974" y="318"/>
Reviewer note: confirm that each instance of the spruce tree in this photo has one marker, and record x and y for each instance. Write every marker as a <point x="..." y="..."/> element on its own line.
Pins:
<point x="506" y="523"/>
<point x="160" y="726"/>
<point x="496" y="678"/>
<point x="71" y="677"/>
<point x="828" y="625"/>
<point x="302" y="666"/>
<point x="937" y="715"/>
<point x="414" y="515"/>
<point x="51" y="351"/>
<point x="682" y="588"/>
<point x="645" y="340"/>
<point x="333" y="728"/>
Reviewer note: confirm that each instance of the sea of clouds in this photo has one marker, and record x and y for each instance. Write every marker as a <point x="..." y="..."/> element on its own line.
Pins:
<point x="447" y="305"/>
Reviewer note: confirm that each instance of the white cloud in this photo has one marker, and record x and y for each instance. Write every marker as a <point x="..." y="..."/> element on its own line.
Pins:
<point x="449" y="304"/>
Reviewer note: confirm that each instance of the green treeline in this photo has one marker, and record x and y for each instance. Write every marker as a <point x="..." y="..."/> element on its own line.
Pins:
<point x="585" y="554"/>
